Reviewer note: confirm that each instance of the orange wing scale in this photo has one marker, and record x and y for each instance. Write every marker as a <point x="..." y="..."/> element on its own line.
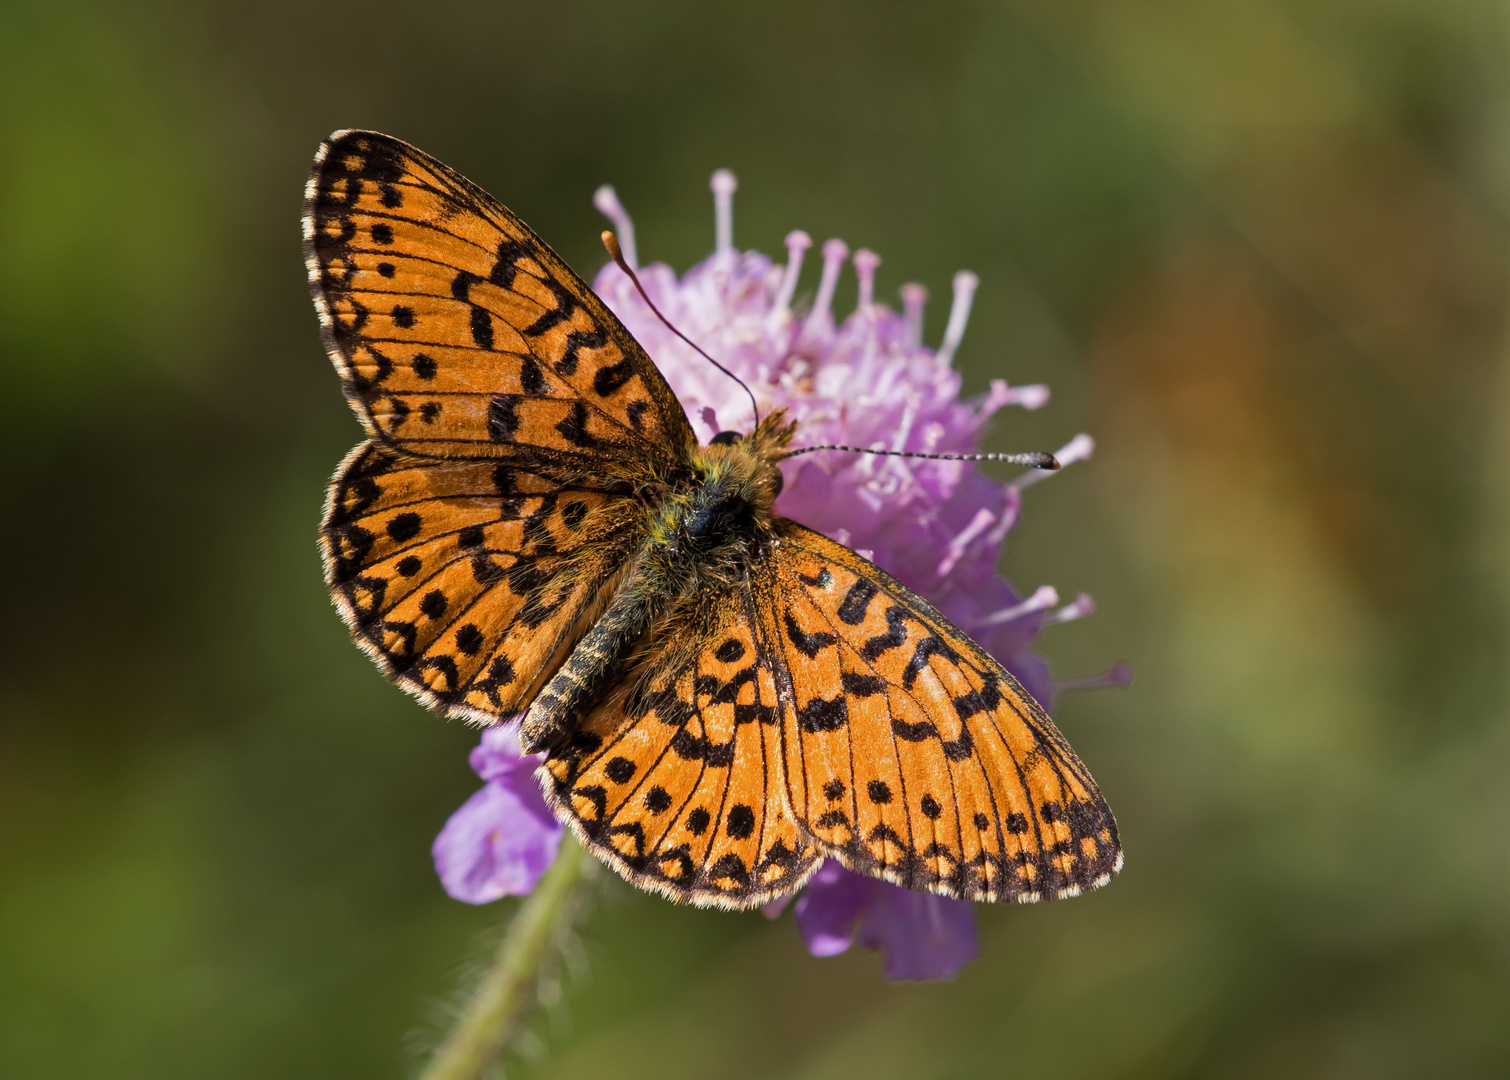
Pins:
<point x="676" y="779"/>
<point x="468" y="581"/>
<point x="912" y="755"/>
<point x="459" y="333"/>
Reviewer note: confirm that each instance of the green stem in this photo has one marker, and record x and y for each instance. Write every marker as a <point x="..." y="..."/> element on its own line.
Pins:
<point x="500" y="1001"/>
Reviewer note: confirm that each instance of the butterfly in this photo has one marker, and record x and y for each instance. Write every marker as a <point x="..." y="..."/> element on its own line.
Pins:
<point x="724" y="697"/>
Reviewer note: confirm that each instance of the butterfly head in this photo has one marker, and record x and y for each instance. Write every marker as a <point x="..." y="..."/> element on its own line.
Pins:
<point x="745" y="466"/>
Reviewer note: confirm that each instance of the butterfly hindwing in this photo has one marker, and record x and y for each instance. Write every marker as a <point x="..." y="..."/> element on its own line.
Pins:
<point x="675" y="779"/>
<point x="910" y="754"/>
<point x="458" y="333"/>
<point x="468" y="581"/>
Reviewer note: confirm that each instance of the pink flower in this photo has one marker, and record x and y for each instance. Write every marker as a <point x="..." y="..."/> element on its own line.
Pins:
<point x="866" y="380"/>
<point x="501" y="839"/>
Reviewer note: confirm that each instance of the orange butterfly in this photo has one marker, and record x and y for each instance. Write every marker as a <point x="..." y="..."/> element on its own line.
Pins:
<point x="726" y="697"/>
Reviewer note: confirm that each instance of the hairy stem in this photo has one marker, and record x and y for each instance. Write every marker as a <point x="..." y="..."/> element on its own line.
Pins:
<point x="507" y="989"/>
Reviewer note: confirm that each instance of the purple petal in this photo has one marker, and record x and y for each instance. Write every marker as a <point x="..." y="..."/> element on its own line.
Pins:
<point x="830" y="908"/>
<point x="498" y="753"/>
<point x="497" y="844"/>
<point x="923" y="936"/>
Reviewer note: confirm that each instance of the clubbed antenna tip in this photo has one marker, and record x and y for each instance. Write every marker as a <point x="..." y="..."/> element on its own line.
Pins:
<point x="611" y="242"/>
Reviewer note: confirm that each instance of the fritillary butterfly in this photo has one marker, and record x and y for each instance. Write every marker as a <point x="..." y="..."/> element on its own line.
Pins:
<point x="726" y="697"/>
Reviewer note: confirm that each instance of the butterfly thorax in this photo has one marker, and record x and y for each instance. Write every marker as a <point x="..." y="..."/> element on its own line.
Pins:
<point x="701" y="536"/>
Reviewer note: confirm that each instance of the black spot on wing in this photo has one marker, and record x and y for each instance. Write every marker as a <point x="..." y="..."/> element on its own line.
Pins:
<point x="730" y="867"/>
<point x="730" y="651"/>
<point x="820" y="715"/>
<point x="609" y="379"/>
<point x="808" y="645"/>
<point x="750" y="714"/>
<point x="400" y="410"/>
<point x="741" y="822"/>
<point x="595" y="794"/>
<point x="978" y="701"/>
<point x="931" y="645"/>
<point x="510" y="254"/>
<point x="405" y="526"/>
<point x="482" y="323"/>
<point x="861" y="686"/>
<point x="503" y="420"/>
<point x="573" y="514"/>
<point x="913" y="732"/>
<point x="469" y="639"/>
<point x="822" y="580"/>
<point x="531" y="378"/>
<point x="856" y="601"/>
<point x="574" y="428"/>
<point x="896" y="634"/>
<point x="553" y="317"/>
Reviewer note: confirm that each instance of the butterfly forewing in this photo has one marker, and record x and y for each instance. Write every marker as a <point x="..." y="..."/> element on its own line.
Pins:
<point x="460" y="334"/>
<point x="676" y="779"/>
<point x="909" y="753"/>
<point x="469" y="580"/>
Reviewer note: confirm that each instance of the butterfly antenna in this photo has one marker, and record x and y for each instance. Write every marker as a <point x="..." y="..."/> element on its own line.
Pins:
<point x="1037" y="459"/>
<point x="611" y="242"/>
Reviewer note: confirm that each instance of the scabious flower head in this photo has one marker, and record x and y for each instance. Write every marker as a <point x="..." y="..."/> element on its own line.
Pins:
<point x="865" y="380"/>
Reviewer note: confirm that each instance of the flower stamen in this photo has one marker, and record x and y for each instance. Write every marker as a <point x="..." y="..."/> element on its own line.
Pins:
<point x="1045" y="597"/>
<point x="797" y="243"/>
<point x="835" y="251"/>
<point x="1030" y="397"/>
<point x="914" y="296"/>
<point x="978" y="524"/>
<point x="1118" y="675"/>
<point x="1079" y="608"/>
<point x="965" y="284"/>
<point x="866" y="262"/>
<point x="724" y="185"/>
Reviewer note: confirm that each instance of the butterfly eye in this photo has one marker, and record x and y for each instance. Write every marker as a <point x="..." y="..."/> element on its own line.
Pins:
<point x="726" y="438"/>
<point x="780" y="483"/>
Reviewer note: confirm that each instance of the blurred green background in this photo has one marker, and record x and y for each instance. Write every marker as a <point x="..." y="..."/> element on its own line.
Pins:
<point x="1257" y="247"/>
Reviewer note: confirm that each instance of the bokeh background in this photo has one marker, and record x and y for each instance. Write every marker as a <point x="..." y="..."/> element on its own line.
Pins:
<point x="1257" y="247"/>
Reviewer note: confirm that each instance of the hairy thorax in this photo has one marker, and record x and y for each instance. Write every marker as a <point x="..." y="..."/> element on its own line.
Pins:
<point x="701" y="536"/>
